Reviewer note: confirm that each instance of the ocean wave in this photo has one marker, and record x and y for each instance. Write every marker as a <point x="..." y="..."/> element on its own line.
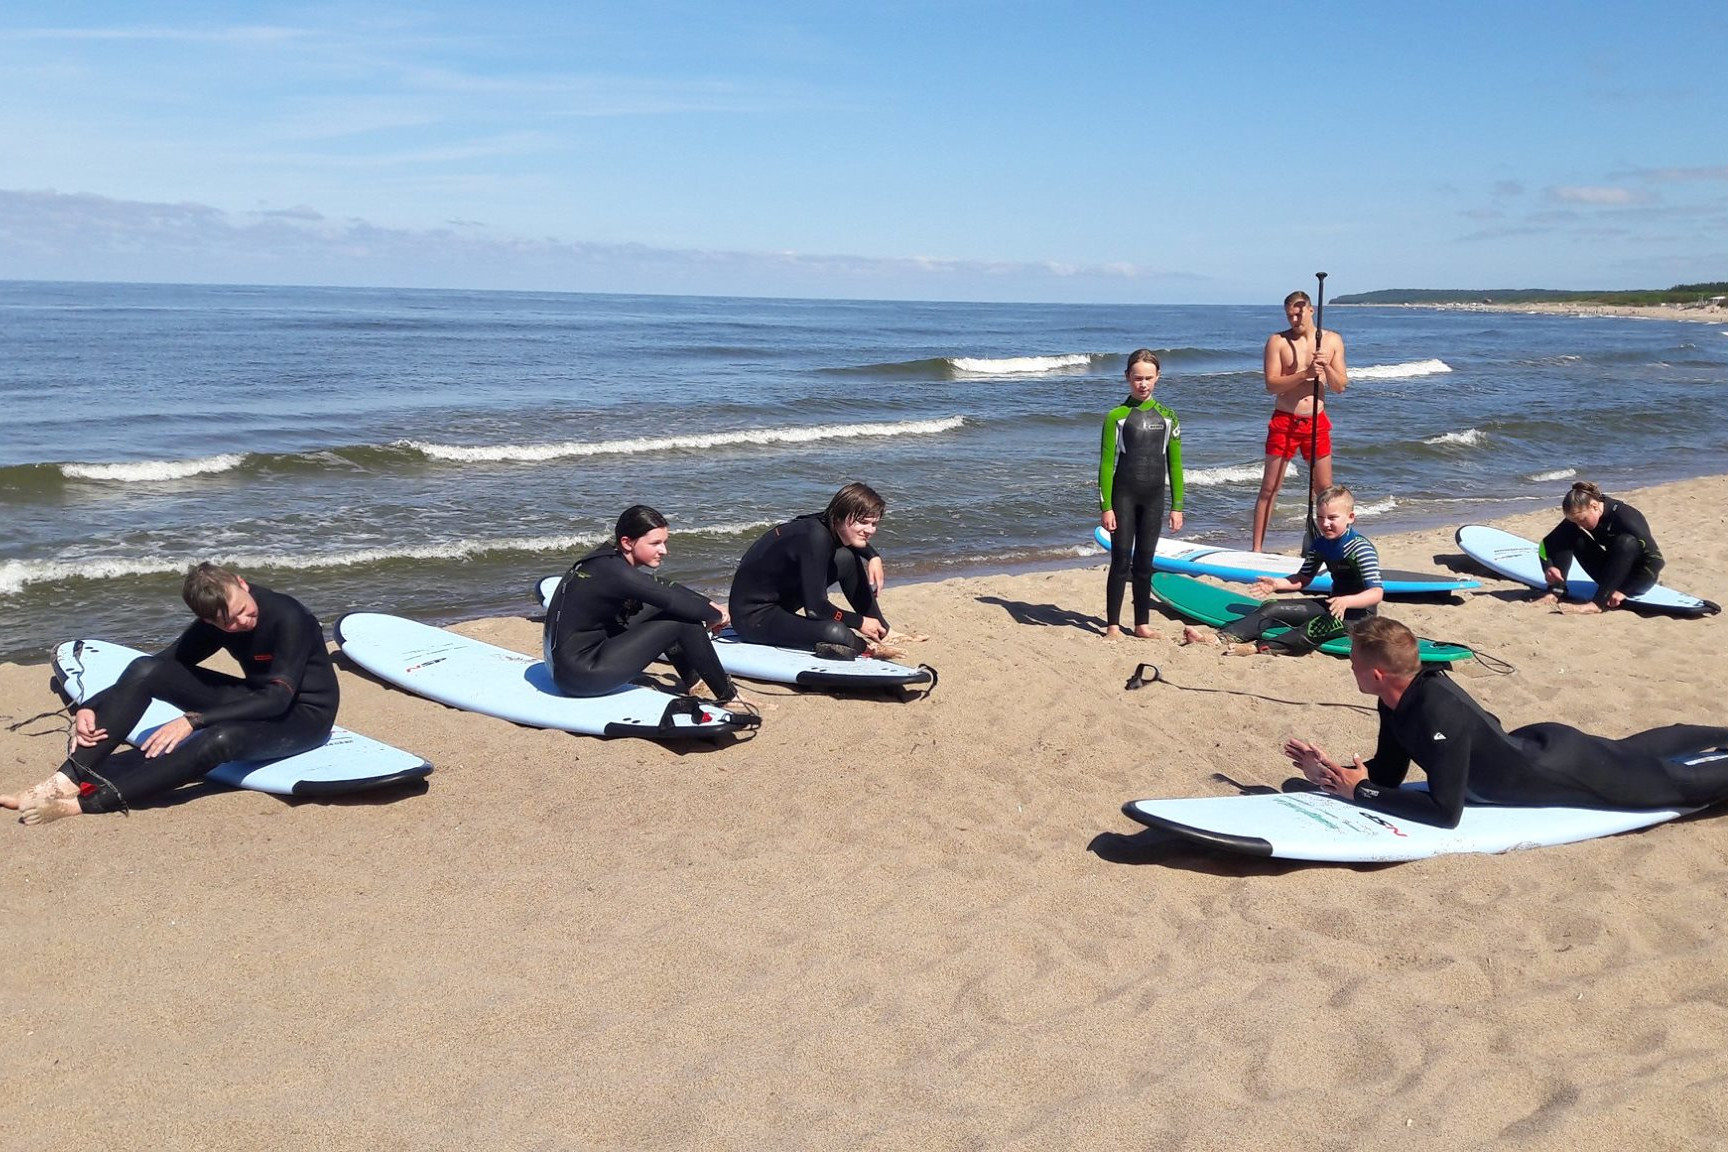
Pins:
<point x="1469" y="438"/>
<point x="529" y="453"/>
<point x="1231" y="474"/>
<point x="135" y="471"/>
<point x="1401" y="371"/>
<point x="1550" y="477"/>
<point x="1377" y="508"/>
<point x="16" y="575"/>
<point x="1018" y="365"/>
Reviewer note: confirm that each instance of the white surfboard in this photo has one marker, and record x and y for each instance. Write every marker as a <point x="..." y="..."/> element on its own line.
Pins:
<point x="347" y="762"/>
<point x="791" y="665"/>
<point x="1318" y="826"/>
<point x="1187" y="559"/>
<point x="480" y="677"/>
<point x="1517" y="559"/>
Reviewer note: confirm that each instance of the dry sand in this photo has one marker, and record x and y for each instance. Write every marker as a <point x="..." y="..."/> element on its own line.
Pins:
<point x="891" y="924"/>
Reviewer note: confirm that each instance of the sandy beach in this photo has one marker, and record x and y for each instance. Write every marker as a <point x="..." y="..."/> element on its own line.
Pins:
<point x="888" y="923"/>
<point x="1708" y="313"/>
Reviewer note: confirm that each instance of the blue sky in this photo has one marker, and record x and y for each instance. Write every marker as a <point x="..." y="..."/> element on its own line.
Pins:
<point x="1136" y="152"/>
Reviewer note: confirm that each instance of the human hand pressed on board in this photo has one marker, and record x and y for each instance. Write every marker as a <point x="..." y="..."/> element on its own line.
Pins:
<point x="725" y="620"/>
<point x="167" y="738"/>
<point x="873" y="628"/>
<point x="876" y="573"/>
<point x="85" y="733"/>
<point x="1108" y="520"/>
<point x="1265" y="586"/>
<point x="1175" y="521"/>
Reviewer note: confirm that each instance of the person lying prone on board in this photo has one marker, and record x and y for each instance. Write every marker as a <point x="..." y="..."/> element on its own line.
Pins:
<point x="1611" y="541"/>
<point x="780" y="591"/>
<point x="1348" y="555"/>
<point x="1427" y="719"/>
<point x="284" y="705"/>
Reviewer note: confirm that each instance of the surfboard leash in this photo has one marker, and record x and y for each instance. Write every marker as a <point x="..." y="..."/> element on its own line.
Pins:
<point x="1140" y="679"/>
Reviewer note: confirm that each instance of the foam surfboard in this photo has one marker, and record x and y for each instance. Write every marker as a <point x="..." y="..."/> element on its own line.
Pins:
<point x="1210" y="604"/>
<point x="347" y="762"/>
<point x="792" y="666"/>
<point x="1318" y="826"/>
<point x="1517" y="559"/>
<point x="1187" y="559"/>
<point x="480" y="677"/>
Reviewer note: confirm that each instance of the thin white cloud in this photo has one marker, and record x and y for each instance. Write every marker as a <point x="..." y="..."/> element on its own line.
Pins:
<point x="1683" y="175"/>
<point x="242" y="34"/>
<point x="1605" y="196"/>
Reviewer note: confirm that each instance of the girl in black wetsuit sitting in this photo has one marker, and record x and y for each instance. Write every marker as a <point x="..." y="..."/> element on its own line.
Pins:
<point x="1609" y="539"/>
<point x="611" y="617"/>
<point x="780" y="592"/>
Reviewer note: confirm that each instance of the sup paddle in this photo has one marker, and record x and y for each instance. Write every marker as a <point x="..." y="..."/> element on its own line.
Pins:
<point x="1312" y="529"/>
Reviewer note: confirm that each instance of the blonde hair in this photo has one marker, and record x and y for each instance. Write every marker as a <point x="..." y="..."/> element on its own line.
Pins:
<point x="1334" y="493"/>
<point x="1388" y="645"/>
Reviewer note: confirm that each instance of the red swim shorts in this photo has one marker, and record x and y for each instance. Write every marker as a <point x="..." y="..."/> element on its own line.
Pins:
<point x="1289" y="434"/>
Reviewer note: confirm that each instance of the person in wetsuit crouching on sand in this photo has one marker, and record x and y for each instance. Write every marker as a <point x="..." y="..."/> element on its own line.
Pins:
<point x="780" y="592"/>
<point x="1611" y="541"/>
<point x="284" y="705"/>
<point x="612" y="616"/>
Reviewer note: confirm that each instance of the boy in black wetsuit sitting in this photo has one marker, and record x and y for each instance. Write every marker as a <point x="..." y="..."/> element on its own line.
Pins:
<point x="283" y="704"/>
<point x="1354" y="564"/>
<point x="780" y="592"/>
<point x="1427" y="719"/>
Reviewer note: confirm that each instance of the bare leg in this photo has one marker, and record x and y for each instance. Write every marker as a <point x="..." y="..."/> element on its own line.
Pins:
<point x="1271" y="479"/>
<point x="1320" y="478"/>
<point x="57" y="787"/>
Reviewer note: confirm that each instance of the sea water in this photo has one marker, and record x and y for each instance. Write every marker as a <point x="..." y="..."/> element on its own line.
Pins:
<point x="434" y="453"/>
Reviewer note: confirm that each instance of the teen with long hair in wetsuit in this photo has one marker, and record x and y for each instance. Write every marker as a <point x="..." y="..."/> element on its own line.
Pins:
<point x="612" y="616"/>
<point x="284" y="705"/>
<point x="780" y="592"/>
<point x="1611" y="541"/>
<point x="1427" y="719"/>
<point x="1139" y="467"/>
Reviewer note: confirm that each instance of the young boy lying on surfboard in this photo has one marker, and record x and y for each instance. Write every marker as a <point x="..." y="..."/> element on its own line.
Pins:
<point x="1356" y="588"/>
<point x="1427" y="719"/>
<point x="286" y="703"/>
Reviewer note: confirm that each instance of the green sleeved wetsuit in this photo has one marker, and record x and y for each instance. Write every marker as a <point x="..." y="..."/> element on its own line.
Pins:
<point x="1140" y="449"/>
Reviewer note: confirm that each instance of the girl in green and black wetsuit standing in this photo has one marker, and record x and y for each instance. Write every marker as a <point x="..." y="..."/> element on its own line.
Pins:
<point x="1141" y="450"/>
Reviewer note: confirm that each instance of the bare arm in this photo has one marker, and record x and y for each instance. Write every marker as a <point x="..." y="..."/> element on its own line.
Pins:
<point x="1329" y="362"/>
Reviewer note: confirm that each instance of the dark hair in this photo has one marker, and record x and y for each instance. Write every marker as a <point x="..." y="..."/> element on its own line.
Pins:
<point x="206" y="589"/>
<point x="1582" y="495"/>
<point x="855" y="502"/>
<point x="1295" y="296"/>
<point x="636" y="522"/>
<point x="1387" y="644"/>
<point x="1142" y="356"/>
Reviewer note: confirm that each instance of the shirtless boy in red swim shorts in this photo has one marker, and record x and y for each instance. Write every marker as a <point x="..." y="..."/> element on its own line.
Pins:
<point x="1293" y="369"/>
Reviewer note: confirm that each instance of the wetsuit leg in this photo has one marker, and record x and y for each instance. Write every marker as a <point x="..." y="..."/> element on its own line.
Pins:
<point x="783" y="628"/>
<point x="616" y="660"/>
<point x="693" y="657"/>
<point x="1310" y="625"/>
<point x="1644" y="770"/>
<point x="1619" y="567"/>
<point x="193" y="690"/>
<point x="853" y="576"/>
<point x="1139" y="516"/>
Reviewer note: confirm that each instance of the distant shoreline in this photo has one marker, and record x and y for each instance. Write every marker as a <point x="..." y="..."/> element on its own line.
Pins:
<point x="1690" y="313"/>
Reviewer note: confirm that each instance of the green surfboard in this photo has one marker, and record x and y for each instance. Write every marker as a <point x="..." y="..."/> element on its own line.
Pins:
<point x="1210" y="604"/>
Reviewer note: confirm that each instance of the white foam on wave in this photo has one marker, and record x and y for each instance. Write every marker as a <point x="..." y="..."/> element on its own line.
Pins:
<point x="1230" y="474"/>
<point x="1549" y="477"/>
<point x="1468" y="438"/>
<point x="531" y="453"/>
<point x="1401" y="371"/>
<point x="1379" y="507"/>
<point x="145" y="470"/>
<point x="15" y="575"/>
<point x="1018" y="365"/>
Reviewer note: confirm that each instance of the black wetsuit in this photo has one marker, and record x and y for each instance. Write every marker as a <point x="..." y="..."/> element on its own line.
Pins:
<point x="1354" y="563"/>
<point x="788" y="571"/>
<point x="1141" y="446"/>
<point x="285" y="704"/>
<point x="609" y="620"/>
<point x="1620" y="554"/>
<point x="1468" y="755"/>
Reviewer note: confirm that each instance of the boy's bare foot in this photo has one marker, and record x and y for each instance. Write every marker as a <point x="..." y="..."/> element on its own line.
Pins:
<point x="1144" y="632"/>
<point x="49" y="810"/>
<point x="1588" y="608"/>
<point x="1193" y="635"/>
<point x="57" y="787"/>
<point x="1113" y="632"/>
